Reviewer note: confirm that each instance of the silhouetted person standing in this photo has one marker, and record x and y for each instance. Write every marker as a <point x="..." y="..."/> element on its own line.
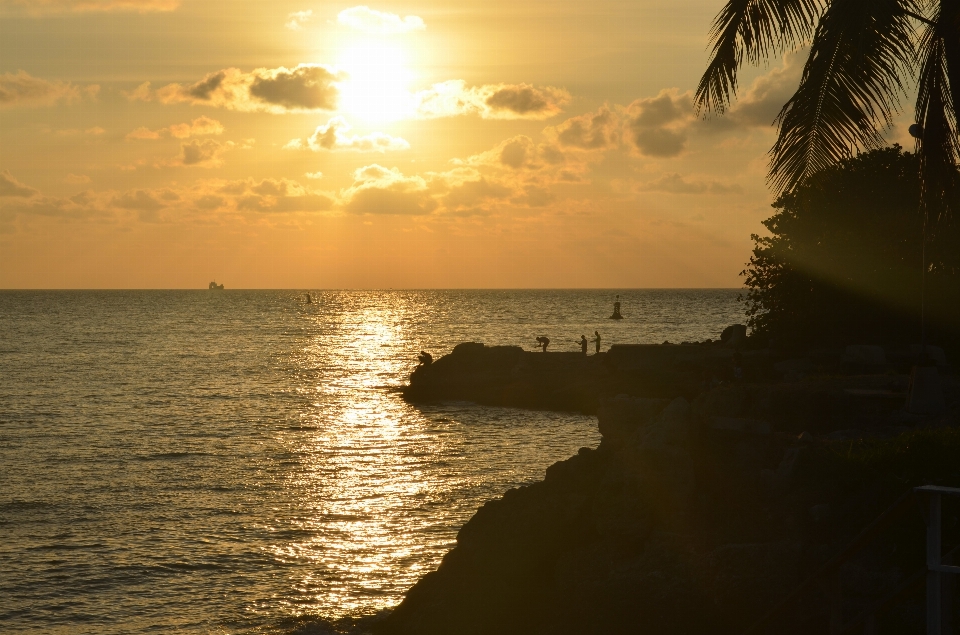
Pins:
<point x="425" y="359"/>
<point x="543" y="342"/>
<point x="597" y="340"/>
<point x="583" y="344"/>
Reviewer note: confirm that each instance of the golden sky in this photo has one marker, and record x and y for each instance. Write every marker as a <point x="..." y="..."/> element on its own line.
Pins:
<point x="297" y="144"/>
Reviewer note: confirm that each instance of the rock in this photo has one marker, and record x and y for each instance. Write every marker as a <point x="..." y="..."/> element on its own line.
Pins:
<point x="926" y="392"/>
<point x="672" y="427"/>
<point x="797" y="365"/>
<point x="734" y="335"/>
<point x="819" y="513"/>
<point x="468" y="348"/>
<point x="864" y="355"/>
<point x="619" y="419"/>
<point x="732" y="424"/>
<point x="754" y="574"/>
<point x="934" y="354"/>
<point x="844" y="435"/>
<point x="805" y="437"/>
<point x="790" y="462"/>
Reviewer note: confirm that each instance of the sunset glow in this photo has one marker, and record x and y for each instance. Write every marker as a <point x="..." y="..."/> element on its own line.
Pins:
<point x="289" y="144"/>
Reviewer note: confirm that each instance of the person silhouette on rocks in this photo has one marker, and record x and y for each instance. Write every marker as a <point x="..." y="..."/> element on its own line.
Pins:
<point x="597" y="340"/>
<point x="583" y="344"/>
<point x="543" y="341"/>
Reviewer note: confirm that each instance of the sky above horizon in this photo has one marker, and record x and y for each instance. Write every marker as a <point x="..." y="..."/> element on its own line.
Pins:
<point x="295" y="144"/>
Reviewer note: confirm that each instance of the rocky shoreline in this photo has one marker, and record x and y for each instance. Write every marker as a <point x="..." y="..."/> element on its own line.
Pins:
<point x="709" y="498"/>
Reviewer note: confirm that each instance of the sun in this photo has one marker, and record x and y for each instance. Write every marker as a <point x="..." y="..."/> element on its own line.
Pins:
<point x="377" y="89"/>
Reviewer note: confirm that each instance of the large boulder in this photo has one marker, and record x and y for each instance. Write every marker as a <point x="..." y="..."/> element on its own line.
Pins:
<point x="621" y="417"/>
<point x="864" y="355"/>
<point x="734" y="335"/>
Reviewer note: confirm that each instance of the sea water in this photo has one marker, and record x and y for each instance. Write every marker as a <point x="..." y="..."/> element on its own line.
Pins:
<point x="241" y="461"/>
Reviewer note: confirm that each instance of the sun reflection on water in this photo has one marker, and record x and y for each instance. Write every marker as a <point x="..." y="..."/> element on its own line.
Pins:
<point x="371" y="481"/>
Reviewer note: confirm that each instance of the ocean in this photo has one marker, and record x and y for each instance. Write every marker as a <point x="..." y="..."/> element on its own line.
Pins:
<point x="241" y="461"/>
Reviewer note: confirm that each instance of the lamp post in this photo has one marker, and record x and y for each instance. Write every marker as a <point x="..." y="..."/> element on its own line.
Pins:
<point x="926" y="394"/>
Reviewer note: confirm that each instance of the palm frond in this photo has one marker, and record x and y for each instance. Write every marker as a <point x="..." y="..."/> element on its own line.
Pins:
<point x="850" y="88"/>
<point x="755" y="30"/>
<point x="937" y="105"/>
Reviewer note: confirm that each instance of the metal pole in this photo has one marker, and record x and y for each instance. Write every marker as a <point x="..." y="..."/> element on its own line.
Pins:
<point x="934" y="617"/>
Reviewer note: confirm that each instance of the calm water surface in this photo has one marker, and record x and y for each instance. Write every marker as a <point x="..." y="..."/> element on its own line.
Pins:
<point x="237" y="461"/>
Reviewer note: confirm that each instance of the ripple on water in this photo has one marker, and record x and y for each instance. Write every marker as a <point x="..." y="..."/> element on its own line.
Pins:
<point x="240" y="461"/>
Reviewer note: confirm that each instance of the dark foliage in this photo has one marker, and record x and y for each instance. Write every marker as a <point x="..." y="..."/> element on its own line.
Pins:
<point x="843" y="262"/>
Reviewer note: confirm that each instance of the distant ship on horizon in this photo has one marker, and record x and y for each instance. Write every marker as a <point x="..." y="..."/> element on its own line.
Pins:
<point x="215" y="287"/>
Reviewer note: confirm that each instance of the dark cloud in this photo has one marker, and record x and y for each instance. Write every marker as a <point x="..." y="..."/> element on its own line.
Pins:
<point x="591" y="131"/>
<point x="514" y="154"/>
<point x="658" y="125"/>
<point x="306" y="87"/>
<point x="334" y="136"/>
<point x="205" y="87"/>
<point x="22" y="89"/>
<point x="9" y="186"/>
<point x="659" y="142"/>
<point x="519" y="99"/>
<point x="204" y="153"/>
<point x="491" y="101"/>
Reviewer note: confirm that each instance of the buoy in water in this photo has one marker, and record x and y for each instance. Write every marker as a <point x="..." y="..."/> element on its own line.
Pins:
<point x="616" y="310"/>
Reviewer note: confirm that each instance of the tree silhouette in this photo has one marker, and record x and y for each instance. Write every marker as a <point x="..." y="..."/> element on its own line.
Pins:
<point x="864" y="54"/>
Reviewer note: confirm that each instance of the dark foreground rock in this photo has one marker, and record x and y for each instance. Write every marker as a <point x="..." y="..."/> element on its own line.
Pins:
<point x="683" y="521"/>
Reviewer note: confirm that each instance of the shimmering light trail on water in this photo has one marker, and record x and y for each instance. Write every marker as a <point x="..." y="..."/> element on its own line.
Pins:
<point x="227" y="461"/>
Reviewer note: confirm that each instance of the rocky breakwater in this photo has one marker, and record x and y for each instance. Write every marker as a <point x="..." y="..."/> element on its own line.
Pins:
<point x="679" y="522"/>
<point x="510" y="376"/>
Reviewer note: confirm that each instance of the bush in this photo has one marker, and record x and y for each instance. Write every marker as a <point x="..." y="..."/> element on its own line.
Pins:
<point x="842" y="263"/>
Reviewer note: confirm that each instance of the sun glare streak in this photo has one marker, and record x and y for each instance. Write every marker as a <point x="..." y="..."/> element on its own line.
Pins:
<point x="377" y="90"/>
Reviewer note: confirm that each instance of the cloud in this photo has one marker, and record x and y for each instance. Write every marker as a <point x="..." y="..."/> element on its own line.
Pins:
<point x="308" y="87"/>
<point x="76" y="179"/>
<point x="314" y="175"/>
<point x="265" y="196"/>
<point x="138" y="200"/>
<point x="38" y="7"/>
<point x="766" y="96"/>
<point x="140" y="93"/>
<point x="333" y="136"/>
<point x="204" y="154"/>
<point x="297" y="19"/>
<point x="378" y="190"/>
<point x="591" y="131"/>
<point x="493" y="101"/>
<point x="469" y="194"/>
<point x="368" y="20"/>
<point x="70" y="132"/>
<point x="520" y="153"/>
<point x="10" y="186"/>
<point x="198" y="127"/>
<point x="658" y="125"/>
<point x="143" y="134"/>
<point x="276" y="195"/>
<point x="676" y="184"/>
<point x="22" y="89"/>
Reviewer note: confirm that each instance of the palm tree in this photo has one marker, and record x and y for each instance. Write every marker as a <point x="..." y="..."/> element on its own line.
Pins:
<point x="864" y="54"/>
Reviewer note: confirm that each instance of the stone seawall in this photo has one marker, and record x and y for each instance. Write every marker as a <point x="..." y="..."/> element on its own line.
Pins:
<point x="510" y="376"/>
